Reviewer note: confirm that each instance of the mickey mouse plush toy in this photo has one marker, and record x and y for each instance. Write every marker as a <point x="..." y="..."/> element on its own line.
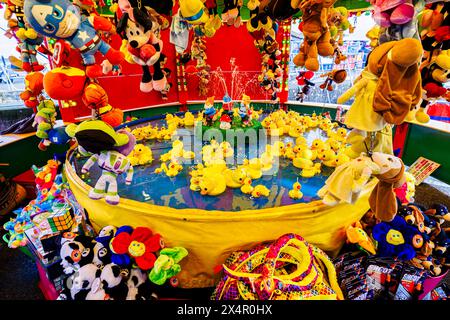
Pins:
<point x="145" y="48"/>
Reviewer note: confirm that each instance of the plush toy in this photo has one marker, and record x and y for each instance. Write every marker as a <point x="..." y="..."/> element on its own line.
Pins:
<point x="145" y="48"/>
<point x="78" y="285"/>
<point x="60" y="19"/>
<point x="338" y="23"/>
<point x="434" y="28"/>
<point x="396" y="239"/>
<point x="139" y="286"/>
<point x="439" y="212"/>
<point x="356" y="235"/>
<point x="396" y="19"/>
<point x="69" y="84"/>
<point x="113" y="281"/>
<point x="44" y="120"/>
<point x="167" y="265"/>
<point x="304" y="80"/>
<point x="30" y="40"/>
<point x="374" y="36"/>
<point x="139" y="245"/>
<point x="434" y="77"/>
<point x="107" y="148"/>
<point x="33" y="89"/>
<point x="14" y="8"/>
<point x="390" y="84"/>
<point x="337" y="76"/>
<point x="193" y="11"/>
<point x="76" y="252"/>
<point x="347" y="181"/>
<point x="316" y="32"/>
<point x="382" y="200"/>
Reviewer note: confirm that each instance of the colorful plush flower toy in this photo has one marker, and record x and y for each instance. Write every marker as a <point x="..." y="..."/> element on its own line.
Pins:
<point x="166" y="266"/>
<point x="397" y="239"/>
<point x="138" y="246"/>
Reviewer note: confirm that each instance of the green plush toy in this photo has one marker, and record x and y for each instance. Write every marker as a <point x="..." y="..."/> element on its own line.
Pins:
<point x="166" y="266"/>
<point x="45" y="118"/>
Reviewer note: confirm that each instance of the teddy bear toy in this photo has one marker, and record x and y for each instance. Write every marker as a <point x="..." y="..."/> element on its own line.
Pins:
<point x="60" y="19"/>
<point x="30" y="40"/>
<point x="109" y="149"/>
<point x="338" y="22"/>
<point x="145" y="47"/>
<point x="44" y="120"/>
<point x="316" y="31"/>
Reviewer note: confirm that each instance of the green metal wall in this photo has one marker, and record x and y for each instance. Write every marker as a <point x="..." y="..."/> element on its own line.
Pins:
<point x="431" y="144"/>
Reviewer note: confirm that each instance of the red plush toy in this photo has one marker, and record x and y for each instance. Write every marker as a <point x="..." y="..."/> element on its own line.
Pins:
<point x="67" y="84"/>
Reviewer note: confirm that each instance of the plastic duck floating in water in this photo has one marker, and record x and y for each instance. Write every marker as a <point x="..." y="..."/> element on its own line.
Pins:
<point x="247" y="187"/>
<point x="140" y="155"/>
<point x="260" y="191"/>
<point x="295" y="193"/>
<point x="312" y="171"/>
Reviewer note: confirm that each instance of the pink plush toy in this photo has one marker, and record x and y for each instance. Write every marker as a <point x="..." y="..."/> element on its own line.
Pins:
<point x="389" y="12"/>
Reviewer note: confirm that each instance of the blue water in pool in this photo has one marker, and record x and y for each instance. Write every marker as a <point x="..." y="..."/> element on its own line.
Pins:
<point x="158" y="189"/>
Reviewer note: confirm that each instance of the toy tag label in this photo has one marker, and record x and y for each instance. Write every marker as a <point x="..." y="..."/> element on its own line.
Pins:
<point x="422" y="168"/>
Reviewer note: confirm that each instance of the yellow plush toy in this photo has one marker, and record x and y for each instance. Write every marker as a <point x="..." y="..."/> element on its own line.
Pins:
<point x="193" y="11"/>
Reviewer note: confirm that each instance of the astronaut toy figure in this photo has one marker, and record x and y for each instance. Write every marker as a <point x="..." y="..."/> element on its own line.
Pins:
<point x="113" y="163"/>
<point x="60" y="19"/>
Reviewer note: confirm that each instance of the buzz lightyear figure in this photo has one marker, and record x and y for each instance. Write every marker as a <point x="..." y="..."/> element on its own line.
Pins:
<point x="112" y="163"/>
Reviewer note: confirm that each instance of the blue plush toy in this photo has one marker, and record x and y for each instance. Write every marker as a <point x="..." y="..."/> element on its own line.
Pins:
<point x="397" y="239"/>
<point x="60" y="19"/>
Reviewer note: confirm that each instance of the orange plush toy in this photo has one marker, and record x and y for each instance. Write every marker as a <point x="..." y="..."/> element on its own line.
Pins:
<point x="317" y="34"/>
<point x="33" y="89"/>
<point x="70" y="84"/>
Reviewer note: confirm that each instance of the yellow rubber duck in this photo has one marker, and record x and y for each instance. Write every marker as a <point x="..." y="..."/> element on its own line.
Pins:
<point x="302" y="163"/>
<point x="150" y="132"/>
<point x="295" y="193"/>
<point x="341" y="159"/>
<point x="195" y="183"/>
<point x="289" y="153"/>
<point x="318" y="144"/>
<point x="341" y="135"/>
<point x="188" y="119"/>
<point x="140" y="155"/>
<point x="296" y="131"/>
<point x="328" y="158"/>
<point x="333" y="144"/>
<point x="247" y="187"/>
<point x="226" y="149"/>
<point x="301" y="141"/>
<point x="260" y="191"/>
<point x="171" y="170"/>
<point x="278" y="148"/>
<point x="253" y="168"/>
<point x="213" y="185"/>
<point x="198" y="171"/>
<point x="234" y="178"/>
<point x="311" y="172"/>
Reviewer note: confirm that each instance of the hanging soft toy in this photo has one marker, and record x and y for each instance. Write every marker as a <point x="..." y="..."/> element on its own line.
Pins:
<point x="338" y="22"/>
<point x="374" y="36"/>
<point x="145" y="48"/>
<point x="44" y="120"/>
<point x="60" y="19"/>
<point x="30" y="40"/>
<point x="315" y="28"/>
<point x="259" y="19"/>
<point x="109" y="149"/>
<point x="33" y="89"/>
<point x="193" y="11"/>
<point x="396" y="18"/>
<point x="434" y="28"/>
<point x="337" y="76"/>
<point x="434" y="76"/>
<point x="229" y="12"/>
<point x="303" y="80"/>
<point x="69" y="84"/>
<point x="14" y="8"/>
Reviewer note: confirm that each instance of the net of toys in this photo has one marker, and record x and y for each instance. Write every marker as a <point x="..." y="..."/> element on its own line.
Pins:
<point x="192" y="159"/>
